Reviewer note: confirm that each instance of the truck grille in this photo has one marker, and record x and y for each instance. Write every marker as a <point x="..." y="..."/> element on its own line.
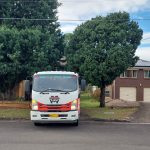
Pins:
<point x="54" y="108"/>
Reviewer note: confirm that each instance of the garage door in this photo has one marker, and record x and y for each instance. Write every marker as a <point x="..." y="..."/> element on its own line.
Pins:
<point x="128" y="93"/>
<point x="147" y="94"/>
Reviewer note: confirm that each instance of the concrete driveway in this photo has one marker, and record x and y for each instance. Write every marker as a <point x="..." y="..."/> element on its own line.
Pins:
<point x="143" y="114"/>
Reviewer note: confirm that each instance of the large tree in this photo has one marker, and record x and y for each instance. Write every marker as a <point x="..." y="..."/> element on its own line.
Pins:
<point x="13" y="45"/>
<point x="29" y="31"/>
<point x="33" y="14"/>
<point x="9" y="56"/>
<point x="102" y="48"/>
<point x="21" y="13"/>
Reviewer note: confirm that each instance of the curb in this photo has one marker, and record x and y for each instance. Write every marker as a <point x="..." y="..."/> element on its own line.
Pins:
<point x="90" y="119"/>
<point x="111" y="120"/>
<point x="13" y="119"/>
<point x="105" y="120"/>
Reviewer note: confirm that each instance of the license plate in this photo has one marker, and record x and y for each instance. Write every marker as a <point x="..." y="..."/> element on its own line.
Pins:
<point x="53" y="115"/>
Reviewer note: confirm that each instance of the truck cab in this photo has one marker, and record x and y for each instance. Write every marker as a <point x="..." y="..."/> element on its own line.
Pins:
<point x="55" y="97"/>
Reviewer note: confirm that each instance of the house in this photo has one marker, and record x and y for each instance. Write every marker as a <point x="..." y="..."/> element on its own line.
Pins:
<point x="133" y="84"/>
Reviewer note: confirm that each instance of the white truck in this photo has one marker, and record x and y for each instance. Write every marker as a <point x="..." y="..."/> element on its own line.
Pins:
<point x="55" y="97"/>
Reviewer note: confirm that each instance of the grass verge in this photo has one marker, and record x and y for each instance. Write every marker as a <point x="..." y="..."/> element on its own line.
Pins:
<point x="14" y="113"/>
<point x="90" y="108"/>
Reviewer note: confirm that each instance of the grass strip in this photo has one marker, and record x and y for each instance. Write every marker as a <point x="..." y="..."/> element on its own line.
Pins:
<point x="90" y="107"/>
<point x="14" y="114"/>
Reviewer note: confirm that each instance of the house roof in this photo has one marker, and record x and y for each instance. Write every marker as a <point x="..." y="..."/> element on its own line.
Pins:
<point x="142" y="63"/>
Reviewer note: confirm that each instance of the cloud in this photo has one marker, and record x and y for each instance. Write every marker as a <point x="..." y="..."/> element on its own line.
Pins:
<point x="146" y="39"/>
<point x="143" y="53"/>
<point x="86" y="9"/>
<point x="77" y="9"/>
<point x="68" y="28"/>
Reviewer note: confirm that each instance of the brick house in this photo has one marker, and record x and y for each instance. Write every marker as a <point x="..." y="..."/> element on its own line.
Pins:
<point x="133" y="84"/>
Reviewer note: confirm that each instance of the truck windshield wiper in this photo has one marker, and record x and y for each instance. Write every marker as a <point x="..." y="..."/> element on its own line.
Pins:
<point x="55" y="90"/>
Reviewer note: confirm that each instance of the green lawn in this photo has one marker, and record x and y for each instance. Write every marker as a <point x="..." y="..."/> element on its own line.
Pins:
<point x="90" y="107"/>
<point x="88" y="102"/>
<point x="14" y="113"/>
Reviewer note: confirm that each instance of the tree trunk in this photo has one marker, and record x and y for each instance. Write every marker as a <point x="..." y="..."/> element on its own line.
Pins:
<point x="102" y="97"/>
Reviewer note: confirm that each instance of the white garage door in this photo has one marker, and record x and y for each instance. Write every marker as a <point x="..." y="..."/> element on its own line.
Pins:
<point x="128" y="93"/>
<point x="146" y="94"/>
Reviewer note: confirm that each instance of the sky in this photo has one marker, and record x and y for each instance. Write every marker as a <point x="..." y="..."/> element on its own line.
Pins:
<point x="86" y="9"/>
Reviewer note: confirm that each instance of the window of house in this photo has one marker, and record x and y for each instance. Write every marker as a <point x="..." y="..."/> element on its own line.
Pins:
<point x="147" y="74"/>
<point x="129" y="74"/>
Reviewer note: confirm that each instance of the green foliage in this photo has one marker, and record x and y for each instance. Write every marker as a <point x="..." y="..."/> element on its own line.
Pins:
<point x="28" y="46"/>
<point x="9" y="63"/>
<point x="33" y="9"/>
<point x="22" y="53"/>
<point x="102" y="48"/>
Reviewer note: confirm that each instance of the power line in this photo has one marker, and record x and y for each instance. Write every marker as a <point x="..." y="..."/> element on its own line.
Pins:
<point x="68" y="1"/>
<point x="61" y="1"/>
<point x="24" y="1"/>
<point x="34" y="19"/>
<point x="40" y="19"/>
<point x="70" y="20"/>
<point x="146" y="39"/>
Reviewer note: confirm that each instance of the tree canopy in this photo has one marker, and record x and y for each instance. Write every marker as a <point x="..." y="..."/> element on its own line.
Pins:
<point x="30" y="39"/>
<point x="104" y="47"/>
<point x="33" y="9"/>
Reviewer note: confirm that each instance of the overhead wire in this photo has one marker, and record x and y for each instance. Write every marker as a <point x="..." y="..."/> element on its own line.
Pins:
<point x="146" y="39"/>
<point x="72" y="20"/>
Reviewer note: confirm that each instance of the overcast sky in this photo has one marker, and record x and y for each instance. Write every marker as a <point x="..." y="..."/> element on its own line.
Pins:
<point x="87" y="9"/>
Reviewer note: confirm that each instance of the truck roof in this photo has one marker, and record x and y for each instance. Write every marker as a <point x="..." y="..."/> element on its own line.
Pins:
<point x="56" y="72"/>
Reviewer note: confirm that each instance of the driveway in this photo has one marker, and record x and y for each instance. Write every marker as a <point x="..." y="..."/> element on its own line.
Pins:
<point x="89" y="135"/>
<point x="143" y="114"/>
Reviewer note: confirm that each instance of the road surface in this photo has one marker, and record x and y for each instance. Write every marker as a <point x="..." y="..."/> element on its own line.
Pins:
<point x="90" y="135"/>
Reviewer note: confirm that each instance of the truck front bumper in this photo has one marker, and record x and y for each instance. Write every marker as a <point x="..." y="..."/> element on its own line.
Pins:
<point x="71" y="116"/>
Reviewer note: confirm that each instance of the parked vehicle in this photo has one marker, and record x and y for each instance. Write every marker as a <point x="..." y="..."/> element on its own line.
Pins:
<point x="55" y="97"/>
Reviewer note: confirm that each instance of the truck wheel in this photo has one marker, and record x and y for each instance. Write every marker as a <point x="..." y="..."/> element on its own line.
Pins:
<point x="37" y="124"/>
<point x="76" y="123"/>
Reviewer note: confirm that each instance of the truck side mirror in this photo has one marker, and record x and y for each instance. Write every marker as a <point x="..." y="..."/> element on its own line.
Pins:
<point x="83" y="84"/>
<point x="27" y="85"/>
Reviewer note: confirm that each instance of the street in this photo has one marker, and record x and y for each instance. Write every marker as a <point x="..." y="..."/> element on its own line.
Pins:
<point x="90" y="135"/>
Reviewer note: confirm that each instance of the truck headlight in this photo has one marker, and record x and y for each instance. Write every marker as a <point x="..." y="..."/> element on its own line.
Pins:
<point x="74" y="105"/>
<point x="34" y="105"/>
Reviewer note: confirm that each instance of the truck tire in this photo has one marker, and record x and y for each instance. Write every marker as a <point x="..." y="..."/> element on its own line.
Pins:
<point x="76" y="123"/>
<point x="37" y="124"/>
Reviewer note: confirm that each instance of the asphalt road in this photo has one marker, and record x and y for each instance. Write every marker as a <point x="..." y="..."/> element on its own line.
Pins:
<point x="23" y="135"/>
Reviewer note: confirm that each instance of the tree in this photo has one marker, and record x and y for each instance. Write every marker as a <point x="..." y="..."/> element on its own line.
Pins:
<point x="9" y="63"/>
<point x="13" y="45"/>
<point x="34" y="40"/>
<point x="33" y="9"/>
<point x="33" y="14"/>
<point x="67" y="38"/>
<point x="104" y="47"/>
<point x="22" y="53"/>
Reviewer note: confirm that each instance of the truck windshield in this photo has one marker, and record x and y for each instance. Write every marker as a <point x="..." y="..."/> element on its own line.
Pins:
<point x="66" y="83"/>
